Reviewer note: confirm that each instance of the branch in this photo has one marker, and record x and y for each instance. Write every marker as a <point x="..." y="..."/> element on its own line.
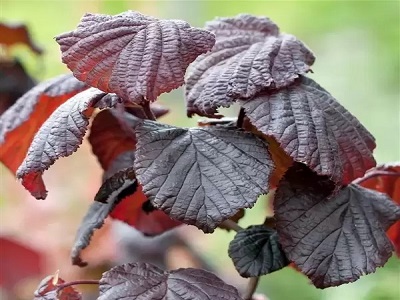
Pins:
<point x="375" y="173"/>
<point x="67" y="284"/>
<point x="147" y="110"/>
<point x="251" y="288"/>
<point x="231" y="225"/>
<point x="240" y="119"/>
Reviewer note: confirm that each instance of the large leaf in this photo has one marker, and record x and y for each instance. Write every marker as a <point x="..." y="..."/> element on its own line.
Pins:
<point x="256" y="251"/>
<point x="386" y="179"/>
<point x="132" y="55"/>
<point x="332" y="239"/>
<point x="201" y="176"/>
<point x="20" y="122"/>
<point x="249" y="55"/>
<point x="60" y="136"/>
<point x="313" y="128"/>
<point x="144" y="281"/>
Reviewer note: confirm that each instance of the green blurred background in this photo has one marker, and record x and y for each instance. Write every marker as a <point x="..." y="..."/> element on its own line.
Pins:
<point x="358" y="60"/>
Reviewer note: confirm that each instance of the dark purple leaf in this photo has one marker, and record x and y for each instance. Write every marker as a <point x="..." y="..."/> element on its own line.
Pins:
<point x="333" y="239"/>
<point x="19" y="123"/>
<point x="60" y="136"/>
<point x="113" y="190"/>
<point x="132" y="55"/>
<point x="313" y="128"/>
<point x="144" y="281"/>
<point x="249" y="55"/>
<point x="201" y="176"/>
<point x="256" y="251"/>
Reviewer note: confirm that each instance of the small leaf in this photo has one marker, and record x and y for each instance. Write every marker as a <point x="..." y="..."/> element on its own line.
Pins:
<point x="332" y="239"/>
<point x="60" y="136"/>
<point x="47" y="290"/>
<point x="132" y="55"/>
<point x="201" y="176"/>
<point x="249" y="55"/>
<point x="17" y="33"/>
<point x="314" y="129"/>
<point x="144" y="281"/>
<point x="389" y="184"/>
<point x="256" y="251"/>
<point x="19" y="123"/>
<point x="113" y="190"/>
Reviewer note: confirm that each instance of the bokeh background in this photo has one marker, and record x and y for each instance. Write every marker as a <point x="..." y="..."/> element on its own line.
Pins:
<point x="358" y="60"/>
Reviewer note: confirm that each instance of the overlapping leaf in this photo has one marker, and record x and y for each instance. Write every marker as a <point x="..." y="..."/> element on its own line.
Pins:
<point x="386" y="179"/>
<point x="256" y="251"/>
<point x="313" y="128"/>
<point x="144" y="281"/>
<point x="60" y="136"/>
<point x="19" y="123"/>
<point x="332" y="239"/>
<point x="132" y="55"/>
<point x="201" y="176"/>
<point x="249" y="55"/>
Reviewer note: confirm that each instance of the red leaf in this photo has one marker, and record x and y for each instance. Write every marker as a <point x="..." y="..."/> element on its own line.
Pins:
<point x="132" y="55"/>
<point x="12" y="34"/>
<point x="48" y="290"/>
<point x="391" y="186"/>
<point x="19" y="123"/>
<point x="18" y="262"/>
<point x="60" y="136"/>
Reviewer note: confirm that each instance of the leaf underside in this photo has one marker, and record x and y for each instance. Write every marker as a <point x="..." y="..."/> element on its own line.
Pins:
<point x="60" y="135"/>
<point x="144" y="281"/>
<point x="256" y="251"/>
<point x="201" y="176"/>
<point x="249" y="55"/>
<point x="20" y="122"/>
<point x="313" y="128"/>
<point x="133" y="55"/>
<point x="333" y="239"/>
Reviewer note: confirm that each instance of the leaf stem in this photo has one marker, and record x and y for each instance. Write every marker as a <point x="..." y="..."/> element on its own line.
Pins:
<point x="240" y="119"/>
<point x="251" y="288"/>
<point x="67" y="284"/>
<point x="147" y="110"/>
<point x="375" y="174"/>
<point x="232" y="225"/>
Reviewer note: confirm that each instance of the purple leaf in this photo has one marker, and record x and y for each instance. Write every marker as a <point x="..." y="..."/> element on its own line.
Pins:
<point x="313" y="128"/>
<point x="132" y="55"/>
<point x="144" y="281"/>
<point x="332" y="239"/>
<point x="60" y="136"/>
<point x="256" y="251"/>
<point x="201" y="176"/>
<point x="249" y="55"/>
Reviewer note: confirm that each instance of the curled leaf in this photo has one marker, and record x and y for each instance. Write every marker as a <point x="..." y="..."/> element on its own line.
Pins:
<point x="249" y="55"/>
<point x="48" y="290"/>
<point x="135" y="56"/>
<point x="20" y="122"/>
<point x="333" y="239"/>
<point x="314" y="129"/>
<point x="60" y="136"/>
<point x="201" y="176"/>
<point x="134" y="280"/>
<point x="256" y="251"/>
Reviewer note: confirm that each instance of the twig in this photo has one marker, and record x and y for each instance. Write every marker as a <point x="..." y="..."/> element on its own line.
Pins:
<point x="147" y="110"/>
<point x="375" y="174"/>
<point x="67" y="284"/>
<point x="231" y="225"/>
<point x="240" y="119"/>
<point x="251" y="288"/>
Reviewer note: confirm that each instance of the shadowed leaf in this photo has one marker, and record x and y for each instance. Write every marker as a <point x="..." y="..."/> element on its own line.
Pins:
<point x="20" y="122"/>
<point x="256" y="251"/>
<point x="249" y="55"/>
<point x="132" y="55"/>
<point x="48" y="291"/>
<point x="389" y="184"/>
<point x="60" y="136"/>
<point x="313" y="128"/>
<point x="113" y="190"/>
<point x="133" y="281"/>
<point x="201" y="176"/>
<point x="332" y="239"/>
